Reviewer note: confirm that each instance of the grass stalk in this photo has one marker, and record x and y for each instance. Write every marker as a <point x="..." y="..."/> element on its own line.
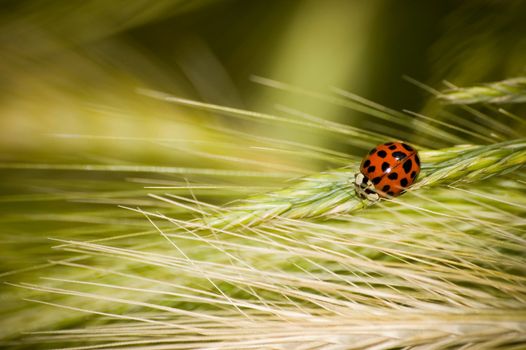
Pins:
<point x="500" y="92"/>
<point x="332" y="193"/>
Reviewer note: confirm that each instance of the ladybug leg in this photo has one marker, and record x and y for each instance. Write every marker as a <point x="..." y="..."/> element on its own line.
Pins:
<point x="370" y="193"/>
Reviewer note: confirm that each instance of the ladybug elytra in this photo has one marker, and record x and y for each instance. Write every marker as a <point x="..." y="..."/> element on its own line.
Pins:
<point x="387" y="171"/>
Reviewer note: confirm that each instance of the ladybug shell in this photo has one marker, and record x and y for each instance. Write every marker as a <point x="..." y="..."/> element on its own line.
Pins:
<point x="392" y="167"/>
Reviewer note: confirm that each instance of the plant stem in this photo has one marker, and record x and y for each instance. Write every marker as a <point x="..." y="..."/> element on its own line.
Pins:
<point x="330" y="193"/>
<point x="505" y="91"/>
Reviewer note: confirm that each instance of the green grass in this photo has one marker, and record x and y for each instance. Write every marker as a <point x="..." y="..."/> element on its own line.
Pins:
<point x="309" y="264"/>
<point x="134" y="215"/>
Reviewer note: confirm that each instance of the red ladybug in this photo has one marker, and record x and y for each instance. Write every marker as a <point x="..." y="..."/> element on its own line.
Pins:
<point x="387" y="171"/>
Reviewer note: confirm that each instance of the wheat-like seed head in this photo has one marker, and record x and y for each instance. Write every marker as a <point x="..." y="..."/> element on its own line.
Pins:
<point x="500" y="92"/>
<point x="332" y="192"/>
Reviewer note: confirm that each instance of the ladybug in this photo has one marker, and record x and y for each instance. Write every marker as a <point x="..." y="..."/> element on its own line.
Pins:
<point x="387" y="171"/>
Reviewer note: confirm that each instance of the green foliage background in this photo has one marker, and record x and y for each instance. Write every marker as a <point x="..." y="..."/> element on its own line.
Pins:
<point x="79" y="137"/>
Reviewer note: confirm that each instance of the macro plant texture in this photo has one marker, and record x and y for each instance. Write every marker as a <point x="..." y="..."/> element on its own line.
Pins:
<point x="180" y="175"/>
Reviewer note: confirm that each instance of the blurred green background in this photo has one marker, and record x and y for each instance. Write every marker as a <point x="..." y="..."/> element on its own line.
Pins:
<point x="72" y="67"/>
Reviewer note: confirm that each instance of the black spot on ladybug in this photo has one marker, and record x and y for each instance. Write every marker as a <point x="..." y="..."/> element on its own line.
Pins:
<point x="368" y="191"/>
<point x="385" y="166"/>
<point x="417" y="160"/>
<point x="382" y="154"/>
<point x="390" y="193"/>
<point x="388" y="143"/>
<point x="413" y="174"/>
<point x="372" y="151"/>
<point x="392" y="148"/>
<point x="407" y="166"/>
<point x="366" y="163"/>
<point x="377" y="180"/>
<point x="371" y="169"/>
<point x="407" y="147"/>
<point x="403" y="182"/>
<point x="386" y="188"/>
<point x="393" y="176"/>
<point x="399" y="155"/>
